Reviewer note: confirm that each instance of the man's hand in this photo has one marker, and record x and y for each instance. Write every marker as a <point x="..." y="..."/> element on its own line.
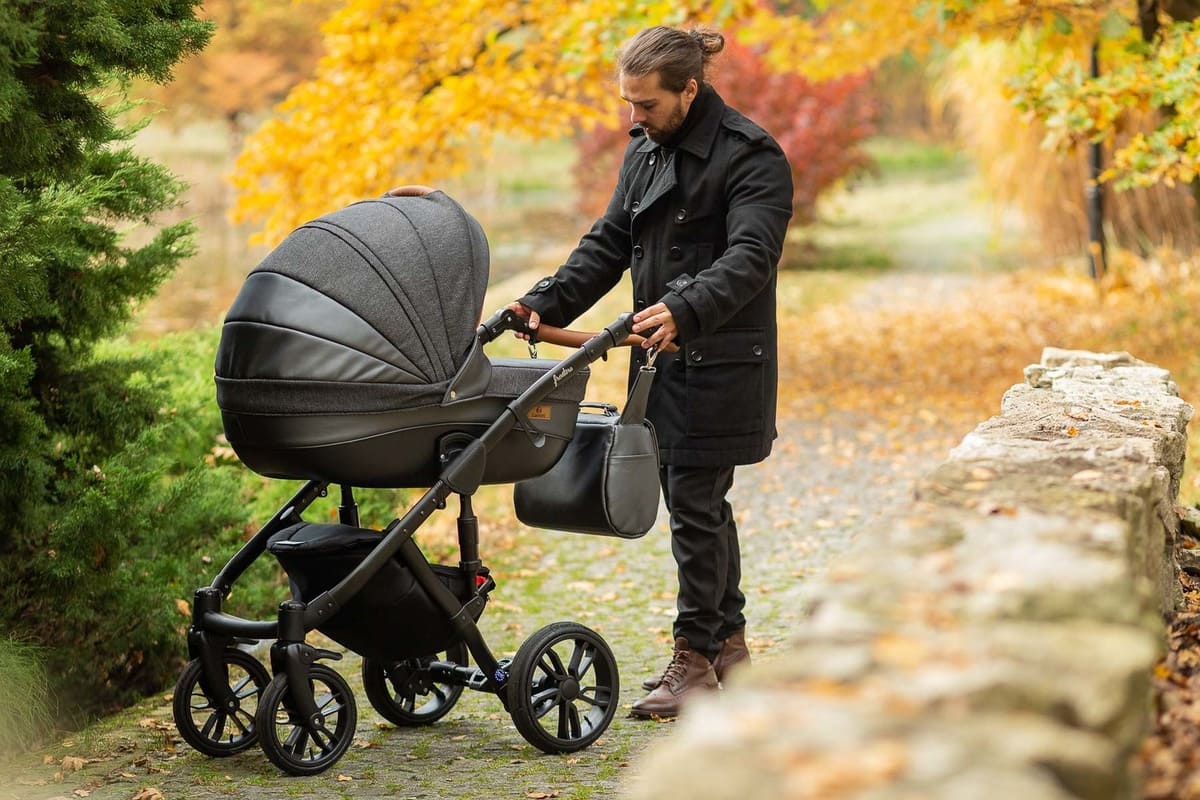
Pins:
<point x="659" y="320"/>
<point x="531" y="317"/>
<point x="411" y="190"/>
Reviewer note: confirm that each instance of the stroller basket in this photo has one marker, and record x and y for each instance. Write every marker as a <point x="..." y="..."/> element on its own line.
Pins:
<point x="391" y="618"/>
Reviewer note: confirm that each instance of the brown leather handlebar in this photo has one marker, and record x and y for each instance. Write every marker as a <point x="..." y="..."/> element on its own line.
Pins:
<point x="570" y="338"/>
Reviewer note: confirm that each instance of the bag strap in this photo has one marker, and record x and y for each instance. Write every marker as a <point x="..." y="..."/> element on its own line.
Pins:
<point x="635" y="405"/>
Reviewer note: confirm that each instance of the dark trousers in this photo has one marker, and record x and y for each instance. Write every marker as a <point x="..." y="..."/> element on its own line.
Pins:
<point x="705" y="545"/>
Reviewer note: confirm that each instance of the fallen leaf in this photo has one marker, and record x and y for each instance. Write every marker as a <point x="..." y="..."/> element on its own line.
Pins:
<point x="148" y="793"/>
<point x="344" y="778"/>
<point x="184" y="607"/>
<point x="73" y="763"/>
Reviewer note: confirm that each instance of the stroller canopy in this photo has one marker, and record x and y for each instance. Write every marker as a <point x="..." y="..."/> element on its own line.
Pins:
<point x="371" y="308"/>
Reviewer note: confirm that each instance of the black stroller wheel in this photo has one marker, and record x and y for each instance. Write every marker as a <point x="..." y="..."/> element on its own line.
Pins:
<point x="210" y="726"/>
<point x="406" y="694"/>
<point x="563" y="688"/>
<point x="307" y="746"/>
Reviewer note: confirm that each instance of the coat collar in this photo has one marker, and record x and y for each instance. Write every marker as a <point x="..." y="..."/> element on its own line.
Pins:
<point x="698" y="139"/>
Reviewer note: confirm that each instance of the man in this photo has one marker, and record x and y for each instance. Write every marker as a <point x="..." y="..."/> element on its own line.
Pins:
<point x="699" y="215"/>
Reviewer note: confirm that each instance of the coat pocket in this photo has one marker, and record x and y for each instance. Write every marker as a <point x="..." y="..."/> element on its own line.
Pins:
<point x="726" y="376"/>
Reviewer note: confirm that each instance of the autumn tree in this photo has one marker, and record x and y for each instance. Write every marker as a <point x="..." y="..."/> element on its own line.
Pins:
<point x="819" y="125"/>
<point x="405" y="93"/>
<point x="1150" y="54"/>
<point x="83" y="483"/>
<point x="260" y="49"/>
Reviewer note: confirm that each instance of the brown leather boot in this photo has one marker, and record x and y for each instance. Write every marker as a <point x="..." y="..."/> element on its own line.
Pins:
<point x="688" y="671"/>
<point x="733" y="652"/>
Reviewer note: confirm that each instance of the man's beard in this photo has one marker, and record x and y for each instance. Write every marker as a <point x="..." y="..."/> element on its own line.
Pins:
<point x="664" y="134"/>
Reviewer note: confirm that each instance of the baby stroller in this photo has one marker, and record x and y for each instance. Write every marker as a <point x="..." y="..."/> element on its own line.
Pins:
<point x="352" y="357"/>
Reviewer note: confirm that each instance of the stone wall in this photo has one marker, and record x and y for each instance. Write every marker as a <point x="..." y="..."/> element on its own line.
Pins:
<point x="996" y="641"/>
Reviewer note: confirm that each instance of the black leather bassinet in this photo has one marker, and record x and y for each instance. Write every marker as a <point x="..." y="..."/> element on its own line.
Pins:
<point x="351" y="352"/>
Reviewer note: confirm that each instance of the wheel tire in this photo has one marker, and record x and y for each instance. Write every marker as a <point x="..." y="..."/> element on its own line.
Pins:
<point x="294" y="744"/>
<point x="563" y="688"/>
<point x="404" y="694"/>
<point x="206" y="727"/>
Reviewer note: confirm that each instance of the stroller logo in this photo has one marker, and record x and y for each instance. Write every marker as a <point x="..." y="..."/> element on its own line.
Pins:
<point x="562" y="376"/>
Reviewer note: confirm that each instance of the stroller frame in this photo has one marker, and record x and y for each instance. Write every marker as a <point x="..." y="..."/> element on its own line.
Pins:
<point x="303" y="733"/>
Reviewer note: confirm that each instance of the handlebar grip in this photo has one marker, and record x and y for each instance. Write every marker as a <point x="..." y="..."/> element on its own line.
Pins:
<point x="504" y="320"/>
<point x="620" y="328"/>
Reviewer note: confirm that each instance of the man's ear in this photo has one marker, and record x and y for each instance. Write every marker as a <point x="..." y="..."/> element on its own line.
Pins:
<point x="691" y="89"/>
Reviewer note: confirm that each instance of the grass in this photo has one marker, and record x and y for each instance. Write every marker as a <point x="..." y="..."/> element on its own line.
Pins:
<point x="896" y="157"/>
<point x="25" y="711"/>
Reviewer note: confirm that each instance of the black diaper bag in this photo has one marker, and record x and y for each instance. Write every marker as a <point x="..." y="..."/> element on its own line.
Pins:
<point x="606" y="482"/>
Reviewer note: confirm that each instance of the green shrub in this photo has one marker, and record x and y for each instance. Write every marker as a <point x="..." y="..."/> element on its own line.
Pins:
<point x="85" y="482"/>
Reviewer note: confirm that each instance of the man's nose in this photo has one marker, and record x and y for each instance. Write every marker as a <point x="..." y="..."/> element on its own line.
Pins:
<point x="636" y="116"/>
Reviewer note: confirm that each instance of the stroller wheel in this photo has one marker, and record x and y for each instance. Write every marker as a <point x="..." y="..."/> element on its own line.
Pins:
<point x="406" y="694"/>
<point x="301" y="746"/>
<point x="563" y="688"/>
<point x="216" y="726"/>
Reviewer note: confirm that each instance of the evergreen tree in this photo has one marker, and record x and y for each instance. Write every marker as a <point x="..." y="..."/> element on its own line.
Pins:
<point x="77" y="425"/>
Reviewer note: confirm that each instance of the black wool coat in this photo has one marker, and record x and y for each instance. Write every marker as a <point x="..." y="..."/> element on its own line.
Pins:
<point x="701" y="223"/>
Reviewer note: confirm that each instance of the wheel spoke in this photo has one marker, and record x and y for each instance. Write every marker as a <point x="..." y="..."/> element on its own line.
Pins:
<point x="331" y="700"/>
<point x="323" y="738"/>
<point x="543" y="702"/>
<point x="560" y="671"/>
<point x="206" y="707"/>
<point x="214" y="728"/>
<point x="547" y="667"/>
<point x="563" y="721"/>
<point x="297" y="742"/>
<point x="601" y="699"/>
<point x="582" y="659"/>
<point x="245" y="689"/>
<point x="245" y="727"/>
<point x="576" y="726"/>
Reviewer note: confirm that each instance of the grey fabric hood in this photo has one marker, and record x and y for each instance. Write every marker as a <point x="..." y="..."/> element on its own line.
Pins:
<point x="371" y="308"/>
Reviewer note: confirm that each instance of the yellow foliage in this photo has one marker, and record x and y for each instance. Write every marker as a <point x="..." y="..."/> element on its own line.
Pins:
<point x="851" y="35"/>
<point x="1007" y="144"/>
<point x="411" y="92"/>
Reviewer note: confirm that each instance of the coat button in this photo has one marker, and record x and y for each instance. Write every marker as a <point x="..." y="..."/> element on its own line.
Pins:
<point x="638" y="252"/>
<point x="639" y="304"/>
<point x="757" y="350"/>
<point x="636" y="205"/>
<point x="543" y="284"/>
<point x="681" y="215"/>
<point x="652" y="159"/>
<point x="697" y="356"/>
<point x="676" y="253"/>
